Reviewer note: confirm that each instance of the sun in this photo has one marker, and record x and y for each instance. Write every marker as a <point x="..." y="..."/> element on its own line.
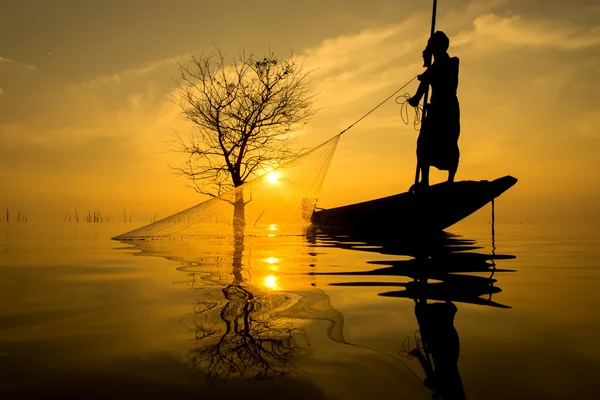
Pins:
<point x="273" y="177"/>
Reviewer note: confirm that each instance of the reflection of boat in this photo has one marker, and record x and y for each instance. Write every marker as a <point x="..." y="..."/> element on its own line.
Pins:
<point x="444" y="258"/>
<point x="439" y="207"/>
<point x="439" y="274"/>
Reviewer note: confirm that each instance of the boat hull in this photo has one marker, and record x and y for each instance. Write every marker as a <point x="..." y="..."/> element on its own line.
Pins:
<point x="434" y="209"/>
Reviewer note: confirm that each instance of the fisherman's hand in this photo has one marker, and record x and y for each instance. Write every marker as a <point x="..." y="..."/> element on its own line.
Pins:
<point x="413" y="101"/>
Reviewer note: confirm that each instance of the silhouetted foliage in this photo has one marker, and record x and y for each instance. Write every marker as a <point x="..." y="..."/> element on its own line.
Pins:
<point x="242" y="113"/>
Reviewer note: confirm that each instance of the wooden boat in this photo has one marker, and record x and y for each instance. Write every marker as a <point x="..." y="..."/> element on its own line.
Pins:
<point x="432" y="209"/>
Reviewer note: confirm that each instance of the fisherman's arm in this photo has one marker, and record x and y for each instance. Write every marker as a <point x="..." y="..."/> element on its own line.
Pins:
<point x="416" y="99"/>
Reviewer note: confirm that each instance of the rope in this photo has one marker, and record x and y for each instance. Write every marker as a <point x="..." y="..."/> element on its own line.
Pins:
<point x="404" y="111"/>
<point x="493" y="246"/>
<point x="493" y="230"/>
<point x="378" y="105"/>
<point x="387" y="355"/>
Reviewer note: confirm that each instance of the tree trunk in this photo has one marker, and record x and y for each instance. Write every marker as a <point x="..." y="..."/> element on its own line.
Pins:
<point x="238" y="252"/>
<point x="239" y="214"/>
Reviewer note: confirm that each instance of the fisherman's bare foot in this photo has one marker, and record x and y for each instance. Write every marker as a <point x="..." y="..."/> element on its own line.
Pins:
<point x="417" y="188"/>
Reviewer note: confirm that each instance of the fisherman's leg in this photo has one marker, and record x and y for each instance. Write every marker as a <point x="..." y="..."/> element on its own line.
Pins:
<point x="454" y="162"/>
<point x="423" y="172"/>
<point x="425" y="175"/>
<point x="451" y="174"/>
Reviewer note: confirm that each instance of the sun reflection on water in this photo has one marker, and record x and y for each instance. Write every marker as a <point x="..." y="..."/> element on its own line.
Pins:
<point x="271" y="282"/>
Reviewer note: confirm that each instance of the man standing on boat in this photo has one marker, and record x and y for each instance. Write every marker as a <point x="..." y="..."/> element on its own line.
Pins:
<point x="437" y="144"/>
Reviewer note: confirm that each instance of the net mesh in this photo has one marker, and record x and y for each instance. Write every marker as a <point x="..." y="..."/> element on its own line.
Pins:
<point x="278" y="202"/>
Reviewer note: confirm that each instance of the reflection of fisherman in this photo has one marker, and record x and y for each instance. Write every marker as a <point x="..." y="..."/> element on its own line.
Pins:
<point x="440" y="339"/>
<point x="438" y="140"/>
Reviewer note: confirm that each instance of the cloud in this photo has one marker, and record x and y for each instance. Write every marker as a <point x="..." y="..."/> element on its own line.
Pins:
<point x="490" y="31"/>
<point x="123" y="75"/>
<point x="355" y="72"/>
<point x="352" y="74"/>
<point x="11" y="61"/>
<point x="350" y="67"/>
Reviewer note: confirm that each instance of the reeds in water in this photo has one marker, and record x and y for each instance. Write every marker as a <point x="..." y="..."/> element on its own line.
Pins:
<point x="21" y="217"/>
<point x="96" y="216"/>
<point x="92" y="216"/>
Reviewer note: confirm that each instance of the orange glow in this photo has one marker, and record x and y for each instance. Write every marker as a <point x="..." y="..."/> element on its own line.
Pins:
<point x="92" y="151"/>
<point x="273" y="177"/>
<point x="271" y="282"/>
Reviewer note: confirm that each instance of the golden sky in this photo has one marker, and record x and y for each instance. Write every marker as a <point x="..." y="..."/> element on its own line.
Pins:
<point x="85" y="119"/>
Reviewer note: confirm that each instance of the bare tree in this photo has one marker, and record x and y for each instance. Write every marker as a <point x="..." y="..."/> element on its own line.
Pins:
<point x="242" y="113"/>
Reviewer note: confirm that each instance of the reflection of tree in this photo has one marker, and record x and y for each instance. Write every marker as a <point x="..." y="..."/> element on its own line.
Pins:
<point x="241" y="335"/>
<point x="241" y="330"/>
<point x="253" y="344"/>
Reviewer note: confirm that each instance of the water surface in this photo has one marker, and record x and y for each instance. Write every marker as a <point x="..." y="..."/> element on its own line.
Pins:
<point x="330" y="315"/>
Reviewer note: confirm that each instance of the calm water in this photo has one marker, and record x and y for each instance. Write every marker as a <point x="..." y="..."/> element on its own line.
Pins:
<point x="320" y="317"/>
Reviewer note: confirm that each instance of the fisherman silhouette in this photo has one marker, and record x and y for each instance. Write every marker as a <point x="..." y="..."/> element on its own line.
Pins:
<point x="437" y="144"/>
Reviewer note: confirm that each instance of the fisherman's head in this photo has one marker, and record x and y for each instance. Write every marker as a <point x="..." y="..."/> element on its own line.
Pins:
<point x="438" y="43"/>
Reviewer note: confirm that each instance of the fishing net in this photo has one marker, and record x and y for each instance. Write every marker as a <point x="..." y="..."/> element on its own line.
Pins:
<point x="280" y="202"/>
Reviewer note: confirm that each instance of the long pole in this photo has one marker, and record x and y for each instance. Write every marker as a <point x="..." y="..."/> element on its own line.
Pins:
<point x="433" y="17"/>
